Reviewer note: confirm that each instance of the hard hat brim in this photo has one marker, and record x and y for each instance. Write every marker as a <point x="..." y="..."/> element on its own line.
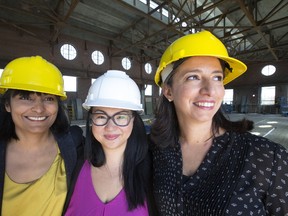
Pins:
<point x="112" y="103"/>
<point x="32" y="88"/>
<point x="238" y="68"/>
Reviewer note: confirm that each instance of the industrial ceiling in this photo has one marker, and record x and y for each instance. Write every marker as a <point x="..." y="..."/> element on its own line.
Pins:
<point x="253" y="30"/>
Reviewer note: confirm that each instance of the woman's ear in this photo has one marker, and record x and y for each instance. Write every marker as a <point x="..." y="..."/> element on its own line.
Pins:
<point x="7" y="107"/>
<point x="167" y="92"/>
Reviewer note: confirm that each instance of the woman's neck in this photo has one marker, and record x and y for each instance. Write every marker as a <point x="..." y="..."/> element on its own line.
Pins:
<point x="197" y="134"/>
<point x="33" y="141"/>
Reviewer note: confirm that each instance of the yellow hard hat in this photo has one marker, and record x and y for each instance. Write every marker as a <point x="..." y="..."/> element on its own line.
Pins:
<point x="199" y="44"/>
<point x="32" y="74"/>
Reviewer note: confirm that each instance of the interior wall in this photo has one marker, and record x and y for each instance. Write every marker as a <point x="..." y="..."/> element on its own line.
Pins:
<point x="15" y="44"/>
<point x="247" y="99"/>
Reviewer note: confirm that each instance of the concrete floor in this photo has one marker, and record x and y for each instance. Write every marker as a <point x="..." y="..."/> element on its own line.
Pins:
<point x="273" y="127"/>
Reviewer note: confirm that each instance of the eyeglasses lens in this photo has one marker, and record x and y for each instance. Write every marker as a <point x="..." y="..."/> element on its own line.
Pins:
<point x="120" y="119"/>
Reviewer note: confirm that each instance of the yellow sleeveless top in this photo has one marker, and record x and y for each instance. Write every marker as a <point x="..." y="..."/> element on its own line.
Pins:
<point x="44" y="196"/>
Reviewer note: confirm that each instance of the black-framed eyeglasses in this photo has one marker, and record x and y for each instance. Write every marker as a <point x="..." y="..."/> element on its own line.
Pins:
<point x="121" y="119"/>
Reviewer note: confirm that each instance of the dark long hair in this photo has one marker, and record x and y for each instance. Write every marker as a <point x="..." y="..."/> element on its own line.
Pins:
<point x="165" y="129"/>
<point x="7" y="126"/>
<point x="136" y="166"/>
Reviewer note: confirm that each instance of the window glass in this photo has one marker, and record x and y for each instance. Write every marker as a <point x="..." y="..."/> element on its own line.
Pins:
<point x="97" y="57"/>
<point x="153" y="5"/>
<point x="228" y="97"/>
<point x="148" y="68"/>
<point x="126" y="63"/>
<point x="68" y="51"/>
<point x="268" y="70"/>
<point x="70" y="83"/>
<point x="184" y="24"/>
<point x="148" y="90"/>
<point x="268" y="95"/>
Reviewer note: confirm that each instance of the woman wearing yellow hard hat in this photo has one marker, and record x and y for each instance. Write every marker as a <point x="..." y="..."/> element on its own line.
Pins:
<point x="205" y="164"/>
<point x="38" y="147"/>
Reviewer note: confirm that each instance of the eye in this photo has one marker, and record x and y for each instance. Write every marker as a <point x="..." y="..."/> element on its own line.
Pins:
<point x="49" y="98"/>
<point x="25" y="97"/>
<point x="121" y="116"/>
<point x="99" y="116"/>
<point x="218" y="78"/>
<point x="193" y="77"/>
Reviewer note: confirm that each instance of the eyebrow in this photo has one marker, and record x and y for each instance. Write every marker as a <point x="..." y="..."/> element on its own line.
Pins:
<point x="102" y="111"/>
<point x="201" y="71"/>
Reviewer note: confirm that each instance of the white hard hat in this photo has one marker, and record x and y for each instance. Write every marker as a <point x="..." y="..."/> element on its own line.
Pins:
<point x="114" y="89"/>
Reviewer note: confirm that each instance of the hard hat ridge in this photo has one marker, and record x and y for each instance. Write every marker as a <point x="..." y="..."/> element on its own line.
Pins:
<point x="32" y="74"/>
<point x="114" y="89"/>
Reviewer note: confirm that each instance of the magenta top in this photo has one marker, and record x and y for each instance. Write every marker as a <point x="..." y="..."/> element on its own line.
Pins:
<point x="85" y="201"/>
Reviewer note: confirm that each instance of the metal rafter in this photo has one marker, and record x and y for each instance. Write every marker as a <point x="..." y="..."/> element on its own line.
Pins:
<point x="257" y="28"/>
<point x="148" y="32"/>
<point x="62" y="18"/>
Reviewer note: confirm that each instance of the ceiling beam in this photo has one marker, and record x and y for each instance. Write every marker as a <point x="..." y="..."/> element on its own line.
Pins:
<point x="257" y="28"/>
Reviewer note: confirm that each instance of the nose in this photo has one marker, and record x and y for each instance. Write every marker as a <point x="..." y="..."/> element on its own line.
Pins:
<point x="38" y="106"/>
<point x="110" y="124"/>
<point x="207" y="87"/>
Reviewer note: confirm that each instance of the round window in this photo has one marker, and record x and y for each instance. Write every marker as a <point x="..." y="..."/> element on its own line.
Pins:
<point x="97" y="57"/>
<point x="148" y="68"/>
<point x="126" y="63"/>
<point x="68" y="51"/>
<point x="268" y="70"/>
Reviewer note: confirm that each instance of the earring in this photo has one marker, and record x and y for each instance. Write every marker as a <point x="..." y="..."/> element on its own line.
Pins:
<point x="169" y="100"/>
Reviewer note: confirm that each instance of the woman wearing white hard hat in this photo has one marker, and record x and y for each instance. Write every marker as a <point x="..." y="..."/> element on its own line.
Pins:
<point x="115" y="176"/>
<point x="205" y="164"/>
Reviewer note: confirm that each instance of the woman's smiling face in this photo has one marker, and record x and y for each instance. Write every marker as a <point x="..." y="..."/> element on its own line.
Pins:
<point x="34" y="112"/>
<point x="110" y="135"/>
<point x="197" y="88"/>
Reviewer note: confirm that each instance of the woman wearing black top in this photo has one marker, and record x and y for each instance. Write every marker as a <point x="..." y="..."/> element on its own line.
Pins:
<point x="203" y="163"/>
